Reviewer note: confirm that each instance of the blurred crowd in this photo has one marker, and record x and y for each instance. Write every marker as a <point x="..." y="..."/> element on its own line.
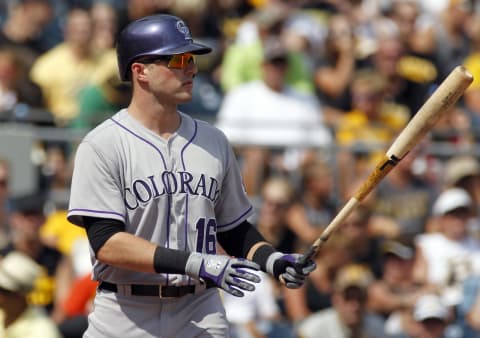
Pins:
<point x="310" y="93"/>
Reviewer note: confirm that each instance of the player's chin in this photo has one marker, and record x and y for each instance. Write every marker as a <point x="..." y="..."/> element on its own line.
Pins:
<point x="185" y="94"/>
<point x="184" y="97"/>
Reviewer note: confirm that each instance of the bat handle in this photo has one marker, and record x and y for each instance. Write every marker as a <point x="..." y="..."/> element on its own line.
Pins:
<point x="308" y="255"/>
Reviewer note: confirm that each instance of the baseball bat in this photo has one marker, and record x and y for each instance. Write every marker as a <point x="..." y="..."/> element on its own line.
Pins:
<point x="441" y="100"/>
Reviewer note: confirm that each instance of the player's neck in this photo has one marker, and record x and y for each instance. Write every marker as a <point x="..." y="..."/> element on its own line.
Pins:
<point x="162" y="120"/>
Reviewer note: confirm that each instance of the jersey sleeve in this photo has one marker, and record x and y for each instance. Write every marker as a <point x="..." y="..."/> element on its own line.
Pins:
<point x="96" y="188"/>
<point x="233" y="206"/>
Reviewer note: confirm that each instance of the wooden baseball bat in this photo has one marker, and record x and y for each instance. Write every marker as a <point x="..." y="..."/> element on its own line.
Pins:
<point x="441" y="100"/>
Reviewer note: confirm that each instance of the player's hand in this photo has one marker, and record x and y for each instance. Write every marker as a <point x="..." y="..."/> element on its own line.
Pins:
<point x="227" y="273"/>
<point x="289" y="269"/>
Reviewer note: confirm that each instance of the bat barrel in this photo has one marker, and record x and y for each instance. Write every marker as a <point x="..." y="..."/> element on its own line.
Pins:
<point x="441" y="101"/>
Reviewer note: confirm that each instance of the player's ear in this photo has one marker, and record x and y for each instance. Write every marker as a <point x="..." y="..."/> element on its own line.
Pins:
<point x="139" y="70"/>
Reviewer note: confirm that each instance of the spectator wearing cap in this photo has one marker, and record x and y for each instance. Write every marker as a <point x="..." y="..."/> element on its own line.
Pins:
<point x="26" y="219"/>
<point x="20" y="319"/>
<point x="429" y="318"/>
<point x="463" y="171"/>
<point x="445" y="258"/>
<point x="266" y="114"/>
<point x="348" y="316"/>
<point x="395" y="292"/>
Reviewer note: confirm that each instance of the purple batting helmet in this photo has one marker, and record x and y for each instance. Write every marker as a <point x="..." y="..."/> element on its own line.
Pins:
<point x="159" y="34"/>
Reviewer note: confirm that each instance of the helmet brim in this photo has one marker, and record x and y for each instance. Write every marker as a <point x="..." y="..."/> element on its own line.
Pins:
<point x="192" y="47"/>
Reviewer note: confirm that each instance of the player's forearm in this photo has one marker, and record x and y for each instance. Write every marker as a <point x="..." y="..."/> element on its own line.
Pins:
<point x="254" y="249"/>
<point x="127" y="251"/>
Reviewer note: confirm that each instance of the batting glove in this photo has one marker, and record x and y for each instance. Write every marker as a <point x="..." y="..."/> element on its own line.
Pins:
<point x="224" y="272"/>
<point x="288" y="269"/>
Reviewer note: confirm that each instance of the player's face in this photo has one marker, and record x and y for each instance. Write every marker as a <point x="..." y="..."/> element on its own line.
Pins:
<point x="171" y="77"/>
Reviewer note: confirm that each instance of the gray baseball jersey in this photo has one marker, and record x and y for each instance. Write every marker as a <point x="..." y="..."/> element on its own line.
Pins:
<point x="177" y="193"/>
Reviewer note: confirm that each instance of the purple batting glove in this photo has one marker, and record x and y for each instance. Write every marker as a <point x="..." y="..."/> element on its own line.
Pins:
<point x="288" y="269"/>
<point x="224" y="272"/>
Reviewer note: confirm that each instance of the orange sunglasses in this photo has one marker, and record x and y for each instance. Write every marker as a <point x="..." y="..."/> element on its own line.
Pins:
<point x="177" y="61"/>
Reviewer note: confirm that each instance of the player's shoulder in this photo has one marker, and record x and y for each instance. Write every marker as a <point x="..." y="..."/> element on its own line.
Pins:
<point x="205" y="128"/>
<point x="106" y="130"/>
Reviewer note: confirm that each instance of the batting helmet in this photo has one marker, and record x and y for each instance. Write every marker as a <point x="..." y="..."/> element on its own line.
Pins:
<point x="159" y="34"/>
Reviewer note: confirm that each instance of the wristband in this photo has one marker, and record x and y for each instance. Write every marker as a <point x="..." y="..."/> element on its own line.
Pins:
<point x="169" y="260"/>
<point x="262" y="257"/>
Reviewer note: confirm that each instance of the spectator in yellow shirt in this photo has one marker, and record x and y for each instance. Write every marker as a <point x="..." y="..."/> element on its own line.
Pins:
<point x="65" y="70"/>
<point x="371" y="125"/>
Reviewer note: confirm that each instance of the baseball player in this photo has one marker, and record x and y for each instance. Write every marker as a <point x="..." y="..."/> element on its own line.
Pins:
<point x="155" y="189"/>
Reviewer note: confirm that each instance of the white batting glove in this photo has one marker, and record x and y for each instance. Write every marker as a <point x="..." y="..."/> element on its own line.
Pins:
<point x="224" y="272"/>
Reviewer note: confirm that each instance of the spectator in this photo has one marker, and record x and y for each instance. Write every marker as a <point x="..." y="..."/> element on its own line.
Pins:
<point x="25" y="221"/>
<point x="20" y="319"/>
<point x="136" y="9"/>
<point x="365" y="131"/>
<point x="445" y="258"/>
<point x="404" y="198"/>
<point x="408" y="80"/>
<point x="78" y="300"/>
<point x="454" y="130"/>
<point x="468" y="318"/>
<point x="107" y="93"/>
<point x="5" y="201"/>
<point x="352" y="244"/>
<point x="363" y="245"/>
<point x="15" y="86"/>
<point x="429" y="318"/>
<point x="336" y="66"/>
<point x="348" y="316"/>
<point x="56" y="173"/>
<point x="23" y="27"/>
<point x="242" y="58"/>
<point x="472" y="63"/>
<point x="267" y="114"/>
<point x="257" y="315"/>
<point x="451" y="39"/>
<point x="22" y="41"/>
<point x="416" y="28"/>
<point x="65" y="70"/>
<point x="276" y="197"/>
<point x="105" y="26"/>
<point x="463" y="171"/>
<point x="393" y="295"/>
<point x="316" y="206"/>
